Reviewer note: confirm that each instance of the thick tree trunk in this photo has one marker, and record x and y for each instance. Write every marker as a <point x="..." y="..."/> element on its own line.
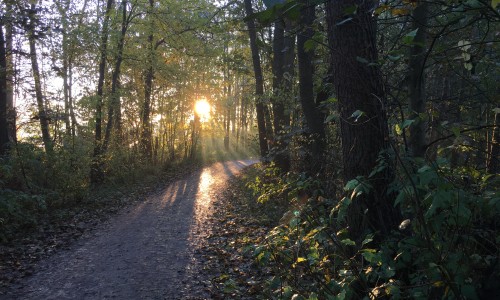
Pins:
<point x="148" y="89"/>
<point x="417" y="83"/>
<point x="96" y="171"/>
<point x="42" y="113"/>
<point x="363" y="121"/>
<point x="4" y="129"/>
<point x="314" y="118"/>
<point x="259" y="81"/>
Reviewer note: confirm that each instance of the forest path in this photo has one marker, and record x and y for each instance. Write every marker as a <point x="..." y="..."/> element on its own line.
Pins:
<point x="145" y="252"/>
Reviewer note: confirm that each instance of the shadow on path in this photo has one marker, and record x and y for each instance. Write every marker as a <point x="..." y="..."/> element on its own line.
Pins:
<point x="146" y="252"/>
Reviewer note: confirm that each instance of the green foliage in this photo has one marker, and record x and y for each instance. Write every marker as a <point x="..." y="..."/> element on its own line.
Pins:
<point x="447" y="246"/>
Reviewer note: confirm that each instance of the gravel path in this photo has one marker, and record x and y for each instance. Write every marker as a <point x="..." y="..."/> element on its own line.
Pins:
<point x="146" y="252"/>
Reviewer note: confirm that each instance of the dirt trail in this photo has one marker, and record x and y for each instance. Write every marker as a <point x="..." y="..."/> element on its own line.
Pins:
<point x="146" y="252"/>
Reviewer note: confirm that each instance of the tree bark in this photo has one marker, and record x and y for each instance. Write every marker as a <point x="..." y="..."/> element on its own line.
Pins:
<point x="493" y="163"/>
<point x="42" y="113"/>
<point x="148" y="89"/>
<point x="11" y="110"/>
<point x="4" y="129"/>
<point x="363" y="121"/>
<point x="259" y="80"/>
<point x="114" y="109"/>
<point x="314" y="118"/>
<point x="63" y="8"/>
<point x="417" y="83"/>
<point x="96" y="171"/>
<point x="283" y="54"/>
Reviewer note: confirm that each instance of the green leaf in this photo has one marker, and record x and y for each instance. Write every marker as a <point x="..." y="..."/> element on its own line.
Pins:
<point x="348" y="242"/>
<point x="313" y="296"/>
<point x="368" y="238"/>
<point x="332" y="117"/>
<point x="357" y="114"/>
<point x="456" y="131"/>
<point x="362" y="60"/>
<point x="408" y="123"/>
<point x="494" y="3"/>
<point x="394" y="57"/>
<point x="409" y="37"/>
<point x="310" y="45"/>
<point x="351" y="10"/>
<point x="351" y="184"/>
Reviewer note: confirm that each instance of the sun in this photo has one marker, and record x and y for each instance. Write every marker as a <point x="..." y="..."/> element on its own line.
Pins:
<point x="202" y="109"/>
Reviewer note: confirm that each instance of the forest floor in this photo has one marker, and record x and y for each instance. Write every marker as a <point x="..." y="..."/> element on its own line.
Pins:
<point x="189" y="239"/>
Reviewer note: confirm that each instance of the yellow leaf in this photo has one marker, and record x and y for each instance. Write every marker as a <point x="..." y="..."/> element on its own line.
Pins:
<point x="438" y="284"/>
<point x="301" y="259"/>
<point x="399" y="11"/>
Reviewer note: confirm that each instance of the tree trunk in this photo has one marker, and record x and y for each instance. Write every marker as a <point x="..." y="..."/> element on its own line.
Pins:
<point x="259" y="81"/>
<point x="42" y="114"/>
<point x="417" y="83"/>
<point x="4" y="129"/>
<point x="63" y="8"/>
<point x="282" y="46"/>
<point x="493" y="163"/>
<point x="363" y="121"/>
<point x="314" y="118"/>
<point x="114" y="109"/>
<point x="96" y="171"/>
<point x="148" y="89"/>
<point x="11" y="110"/>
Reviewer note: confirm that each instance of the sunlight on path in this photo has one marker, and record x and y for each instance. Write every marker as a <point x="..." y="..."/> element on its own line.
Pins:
<point x="145" y="252"/>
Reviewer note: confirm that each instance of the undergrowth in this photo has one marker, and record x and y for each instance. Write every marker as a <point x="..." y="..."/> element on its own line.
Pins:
<point x="447" y="246"/>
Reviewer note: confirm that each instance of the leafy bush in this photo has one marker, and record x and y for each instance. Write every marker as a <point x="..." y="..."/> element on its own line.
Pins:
<point x="446" y="247"/>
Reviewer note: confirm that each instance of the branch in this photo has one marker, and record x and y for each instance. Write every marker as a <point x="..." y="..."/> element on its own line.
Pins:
<point x="461" y="131"/>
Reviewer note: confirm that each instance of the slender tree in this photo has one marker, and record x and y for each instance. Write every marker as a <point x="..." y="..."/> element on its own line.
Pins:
<point x="259" y="80"/>
<point x="146" y="142"/>
<point x="114" y="107"/>
<point x="416" y="87"/>
<point x="4" y="130"/>
<point x="9" y="37"/>
<point x="493" y="163"/>
<point x="96" y="171"/>
<point x="42" y="113"/>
